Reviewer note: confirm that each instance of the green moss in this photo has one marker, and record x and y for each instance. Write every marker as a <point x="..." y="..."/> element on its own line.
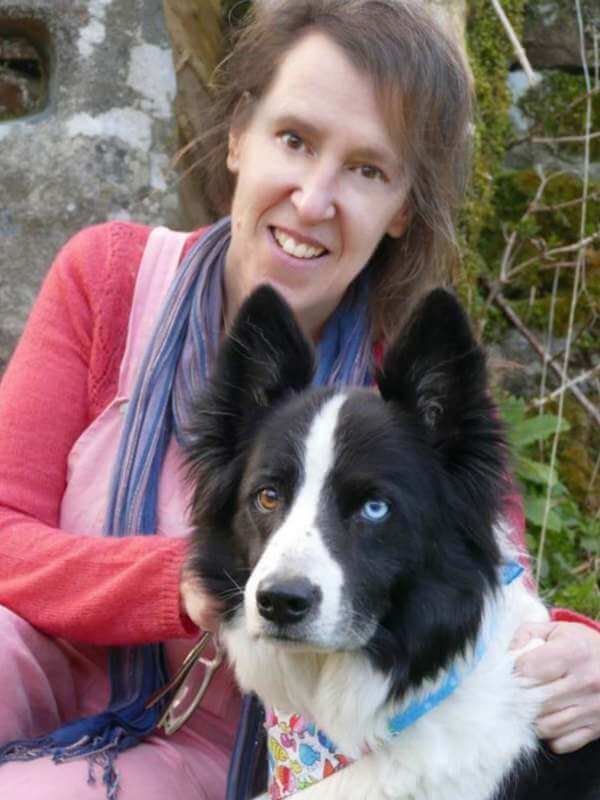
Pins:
<point x="577" y="453"/>
<point x="548" y="228"/>
<point x="560" y="14"/>
<point x="490" y="54"/>
<point x="582" y="594"/>
<point x="576" y="466"/>
<point x="557" y="110"/>
<point x="497" y="202"/>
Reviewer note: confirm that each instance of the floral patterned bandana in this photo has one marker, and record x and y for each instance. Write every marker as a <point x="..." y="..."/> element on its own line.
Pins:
<point x="300" y="755"/>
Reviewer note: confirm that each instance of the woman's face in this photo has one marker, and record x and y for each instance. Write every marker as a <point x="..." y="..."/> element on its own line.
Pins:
<point x="318" y="183"/>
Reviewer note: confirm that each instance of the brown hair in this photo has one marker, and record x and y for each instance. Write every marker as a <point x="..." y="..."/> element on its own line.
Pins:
<point x="425" y="94"/>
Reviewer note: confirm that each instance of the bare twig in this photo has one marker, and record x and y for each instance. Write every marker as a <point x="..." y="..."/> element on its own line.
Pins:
<point x="586" y="566"/>
<point x="596" y="39"/>
<point x="506" y="256"/>
<point x="560" y="115"/>
<point x="575" y="292"/>
<point x="518" y="47"/>
<point x="544" y="356"/>
<point x="593" y="476"/>
<point x="576" y="247"/>
<point x="544" y="181"/>
<point x="582" y="329"/>
<point x="562" y="139"/>
<point x="557" y="265"/>
<point x="567" y="203"/>
<point x="541" y="401"/>
<point x="511" y="241"/>
<point x="581" y="99"/>
<point x="549" y="333"/>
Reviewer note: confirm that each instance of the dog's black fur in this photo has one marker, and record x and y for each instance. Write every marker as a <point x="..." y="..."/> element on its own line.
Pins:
<point x="432" y="443"/>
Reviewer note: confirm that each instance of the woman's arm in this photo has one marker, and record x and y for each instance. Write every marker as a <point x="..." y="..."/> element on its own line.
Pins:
<point x="92" y="589"/>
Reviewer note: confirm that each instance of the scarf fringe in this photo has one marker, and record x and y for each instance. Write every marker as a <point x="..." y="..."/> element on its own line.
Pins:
<point x="105" y="760"/>
<point x="97" y="751"/>
<point x="26" y="750"/>
<point x="94" y="748"/>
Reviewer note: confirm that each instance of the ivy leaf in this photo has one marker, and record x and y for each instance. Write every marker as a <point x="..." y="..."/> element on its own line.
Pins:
<point x="513" y="410"/>
<point x="536" y="429"/>
<point x="536" y="472"/>
<point x="591" y="544"/>
<point x="581" y="594"/>
<point x="534" y="512"/>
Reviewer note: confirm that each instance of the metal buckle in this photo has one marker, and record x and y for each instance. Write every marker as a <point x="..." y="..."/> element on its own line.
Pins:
<point x="172" y="718"/>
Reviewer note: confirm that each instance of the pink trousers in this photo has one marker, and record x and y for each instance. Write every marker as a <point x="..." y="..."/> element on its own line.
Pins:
<point x="45" y="682"/>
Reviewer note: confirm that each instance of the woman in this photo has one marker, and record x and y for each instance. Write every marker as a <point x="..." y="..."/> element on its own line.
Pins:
<point x="343" y="165"/>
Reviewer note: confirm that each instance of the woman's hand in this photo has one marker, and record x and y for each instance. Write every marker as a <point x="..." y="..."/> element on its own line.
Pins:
<point x="568" y="665"/>
<point x="202" y="609"/>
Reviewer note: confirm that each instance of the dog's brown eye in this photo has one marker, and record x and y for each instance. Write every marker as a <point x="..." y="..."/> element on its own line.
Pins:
<point x="268" y="499"/>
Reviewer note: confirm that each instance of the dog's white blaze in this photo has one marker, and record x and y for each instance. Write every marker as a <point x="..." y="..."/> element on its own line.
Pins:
<point x="297" y="547"/>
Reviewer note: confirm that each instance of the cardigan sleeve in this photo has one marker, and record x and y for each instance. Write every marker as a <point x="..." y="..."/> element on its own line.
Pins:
<point x="84" y="588"/>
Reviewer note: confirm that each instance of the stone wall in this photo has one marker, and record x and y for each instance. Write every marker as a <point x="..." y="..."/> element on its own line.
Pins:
<point x="98" y="138"/>
<point x="96" y="80"/>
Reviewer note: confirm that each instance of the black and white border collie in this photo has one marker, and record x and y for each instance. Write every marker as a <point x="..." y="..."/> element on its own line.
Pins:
<point x="354" y="542"/>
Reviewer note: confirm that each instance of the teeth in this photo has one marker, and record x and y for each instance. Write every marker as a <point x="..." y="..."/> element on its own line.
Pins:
<point x="296" y="249"/>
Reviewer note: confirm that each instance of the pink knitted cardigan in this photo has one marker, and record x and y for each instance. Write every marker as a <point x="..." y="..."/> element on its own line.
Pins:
<point x="98" y="590"/>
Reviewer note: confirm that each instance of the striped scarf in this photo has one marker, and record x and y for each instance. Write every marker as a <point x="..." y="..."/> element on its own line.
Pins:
<point x="174" y="370"/>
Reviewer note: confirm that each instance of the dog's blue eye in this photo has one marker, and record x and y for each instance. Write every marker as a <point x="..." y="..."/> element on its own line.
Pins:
<point x="375" y="510"/>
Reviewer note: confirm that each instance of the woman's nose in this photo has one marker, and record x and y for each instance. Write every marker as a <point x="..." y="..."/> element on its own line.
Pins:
<point x="314" y="197"/>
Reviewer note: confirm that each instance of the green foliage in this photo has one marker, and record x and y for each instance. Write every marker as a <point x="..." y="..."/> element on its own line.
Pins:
<point x="552" y="226"/>
<point x="490" y="54"/>
<point x="501" y="208"/>
<point x="556" y="107"/>
<point x="570" y="560"/>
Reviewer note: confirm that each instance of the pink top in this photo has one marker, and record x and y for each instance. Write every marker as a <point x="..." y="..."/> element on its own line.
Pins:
<point x="91" y="459"/>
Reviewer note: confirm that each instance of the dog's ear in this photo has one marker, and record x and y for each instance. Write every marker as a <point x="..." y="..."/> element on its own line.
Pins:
<point x="435" y="369"/>
<point x="265" y="356"/>
<point x="434" y="374"/>
<point x="264" y="359"/>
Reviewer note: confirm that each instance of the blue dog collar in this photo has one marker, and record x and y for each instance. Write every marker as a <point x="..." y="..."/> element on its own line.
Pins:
<point x="301" y="755"/>
<point x="510" y="572"/>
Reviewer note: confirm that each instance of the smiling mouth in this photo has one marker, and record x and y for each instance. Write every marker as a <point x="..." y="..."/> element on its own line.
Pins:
<point x="295" y="248"/>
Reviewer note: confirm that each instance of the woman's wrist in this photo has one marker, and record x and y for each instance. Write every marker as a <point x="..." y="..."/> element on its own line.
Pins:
<point x="196" y="605"/>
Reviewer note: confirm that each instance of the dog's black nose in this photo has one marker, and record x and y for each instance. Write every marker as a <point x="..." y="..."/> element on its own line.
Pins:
<point x="286" y="601"/>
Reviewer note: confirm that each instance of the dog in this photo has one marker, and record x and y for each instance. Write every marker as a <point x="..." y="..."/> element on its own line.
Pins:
<point x="354" y="541"/>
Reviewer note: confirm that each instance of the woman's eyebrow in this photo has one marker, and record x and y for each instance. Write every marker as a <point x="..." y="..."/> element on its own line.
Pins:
<point x="379" y="154"/>
<point x="295" y="122"/>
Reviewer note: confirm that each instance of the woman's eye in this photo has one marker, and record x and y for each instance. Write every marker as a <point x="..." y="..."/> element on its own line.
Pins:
<point x="371" y="172"/>
<point x="267" y="499"/>
<point x="292" y="140"/>
<point x="375" y="510"/>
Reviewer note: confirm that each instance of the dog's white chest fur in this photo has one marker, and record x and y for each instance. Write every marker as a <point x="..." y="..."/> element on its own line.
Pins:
<point x="459" y="751"/>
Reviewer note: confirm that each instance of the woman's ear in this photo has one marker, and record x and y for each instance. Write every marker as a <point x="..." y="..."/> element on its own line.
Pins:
<point x="239" y="120"/>
<point x="233" y="150"/>
<point x="400" y="221"/>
